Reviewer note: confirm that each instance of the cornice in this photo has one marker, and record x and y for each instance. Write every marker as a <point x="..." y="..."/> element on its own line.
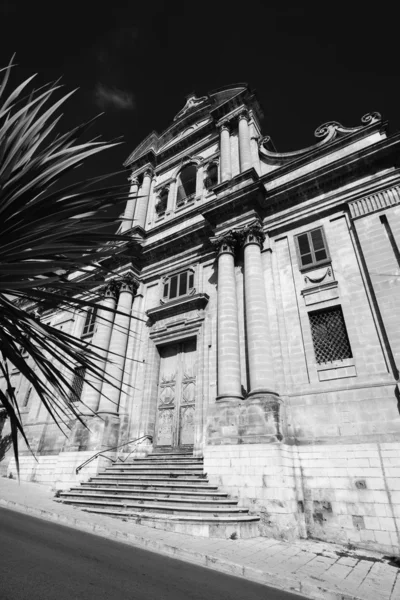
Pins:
<point x="347" y="168"/>
<point x="375" y="202"/>
<point x="297" y="212"/>
<point x="175" y="307"/>
<point x="317" y="153"/>
<point x="334" y="136"/>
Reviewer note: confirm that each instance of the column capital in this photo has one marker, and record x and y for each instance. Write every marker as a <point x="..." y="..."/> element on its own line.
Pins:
<point x="129" y="283"/>
<point x="225" y="243"/>
<point x="111" y="290"/>
<point x="148" y="173"/>
<point x="244" y="114"/>
<point x="133" y="179"/>
<point x="252" y="234"/>
<point x="226" y="124"/>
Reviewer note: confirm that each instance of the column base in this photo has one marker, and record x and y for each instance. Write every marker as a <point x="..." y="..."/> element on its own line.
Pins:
<point x="263" y="394"/>
<point x="101" y="431"/>
<point x="228" y="397"/>
<point x="255" y="420"/>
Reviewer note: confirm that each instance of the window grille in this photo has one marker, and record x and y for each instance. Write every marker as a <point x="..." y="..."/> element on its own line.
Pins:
<point x="312" y="248"/>
<point x="329" y="335"/>
<point x="178" y="285"/>
<point x="88" y="327"/>
<point x="77" y="384"/>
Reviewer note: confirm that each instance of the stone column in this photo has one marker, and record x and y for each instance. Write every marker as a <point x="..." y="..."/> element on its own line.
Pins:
<point x="143" y="201"/>
<point x="258" y="339"/>
<point x="199" y="180"/>
<point x="228" y="353"/>
<point x="101" y="342"/>
<point x="171" y="197"/>
<point x="130" y="205"/>
<point x="255" y="152"/>
<point x="244" y="142"/>
<point x="225" y="149"/>
<point x="110" y="393"/>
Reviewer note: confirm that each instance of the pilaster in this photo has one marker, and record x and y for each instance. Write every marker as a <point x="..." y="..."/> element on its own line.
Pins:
<point x="225" y="148"/>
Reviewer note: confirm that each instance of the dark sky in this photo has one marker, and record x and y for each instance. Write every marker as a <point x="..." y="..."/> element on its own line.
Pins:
<point x="310" y="62"/>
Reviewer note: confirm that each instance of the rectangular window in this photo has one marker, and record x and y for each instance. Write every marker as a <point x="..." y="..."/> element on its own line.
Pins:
<point x="77" y="384"/>
<point x="173" y="286"/>
<point x="329" y="335"/>
<point x="90" y="321"/>
<point x="312" y="248"/>
<point x="178" y="285"/>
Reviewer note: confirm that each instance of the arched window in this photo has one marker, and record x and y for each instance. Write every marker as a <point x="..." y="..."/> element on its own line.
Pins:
<point x="161" y="205"/>
<point x="186" y="185"/>
<point x="212" y="176"/>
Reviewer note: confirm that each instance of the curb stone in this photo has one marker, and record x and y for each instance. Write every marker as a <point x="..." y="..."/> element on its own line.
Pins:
<point x="308" y="589"/>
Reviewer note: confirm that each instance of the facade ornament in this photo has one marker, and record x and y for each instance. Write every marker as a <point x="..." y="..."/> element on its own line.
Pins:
<point x="226" y="243"/>
<point x="252" y="234"/>
<point x="244" y="114"/>
<point x="308" y="279"/>
<point x="129" y="283"/>
<point x="133" y="180"/>
<point x="111" y="289"/>
<point x="332" y="129"/>
<point x="225" y="125"/>
<point x="372" y="117"/>
<point x="148" y="173"/>
<point x="191" y="104"/>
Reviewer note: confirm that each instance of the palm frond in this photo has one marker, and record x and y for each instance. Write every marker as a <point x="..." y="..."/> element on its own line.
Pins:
<point x="47" y="233"/>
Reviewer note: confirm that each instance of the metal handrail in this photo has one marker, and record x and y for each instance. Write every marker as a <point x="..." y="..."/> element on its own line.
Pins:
<point x="100" y="453"/>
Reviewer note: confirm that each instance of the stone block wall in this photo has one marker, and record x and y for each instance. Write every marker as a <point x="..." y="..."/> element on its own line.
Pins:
<point x="347" y="494"/>
<point x="352" y="494"/>
<point x="57" y="470"/>
<point x="262" y="478"/>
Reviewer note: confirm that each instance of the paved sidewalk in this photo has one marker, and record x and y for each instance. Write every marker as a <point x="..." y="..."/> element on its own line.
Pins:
<point x="314" y="569"/>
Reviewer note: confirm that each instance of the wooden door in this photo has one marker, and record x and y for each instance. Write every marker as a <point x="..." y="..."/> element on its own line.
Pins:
<point x="176" y="395"/>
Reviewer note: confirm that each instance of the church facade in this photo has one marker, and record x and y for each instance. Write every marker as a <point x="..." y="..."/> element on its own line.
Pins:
<point x="260" y="326"/>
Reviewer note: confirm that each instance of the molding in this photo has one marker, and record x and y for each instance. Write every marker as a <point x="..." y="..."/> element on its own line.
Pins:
<point x="175" y="307"/>
<point x="375" y="202"/>
<point x="329" y="132"/>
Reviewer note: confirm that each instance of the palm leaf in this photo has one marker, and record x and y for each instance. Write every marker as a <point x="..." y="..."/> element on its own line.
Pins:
<point x="49" y="233"/>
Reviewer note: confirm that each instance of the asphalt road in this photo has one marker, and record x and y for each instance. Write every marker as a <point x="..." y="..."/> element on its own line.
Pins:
<point x="40" y="560"/>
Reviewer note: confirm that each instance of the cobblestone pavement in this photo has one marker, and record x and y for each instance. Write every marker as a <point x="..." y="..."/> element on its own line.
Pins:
<point x="314" y="569"/>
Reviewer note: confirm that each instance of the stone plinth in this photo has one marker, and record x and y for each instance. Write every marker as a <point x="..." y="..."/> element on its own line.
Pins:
<point x="254" y="420"/>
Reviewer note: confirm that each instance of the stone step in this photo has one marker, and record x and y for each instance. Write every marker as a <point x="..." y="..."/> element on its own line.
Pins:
<point x="148" y="500"/>
<point x="170" y="485"/>
<point x="152" y="464"/>
<point x="157" y="507"/>
<point x="153" y="461"/>
<point x="152" y="492"/>
<point x="221" y="526"/>
<point x="211" y="518"/>
<point x="167" y="491"/>
<point x="156" y="469"/>
<point x="178" y="454"/>
<point x="143" y="477"/>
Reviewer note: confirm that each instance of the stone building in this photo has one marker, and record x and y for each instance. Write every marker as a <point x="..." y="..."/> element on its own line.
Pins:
<point x="262" y="323"/>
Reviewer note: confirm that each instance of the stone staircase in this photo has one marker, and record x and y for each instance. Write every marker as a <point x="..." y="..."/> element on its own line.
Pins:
<point x="167" y="491"/>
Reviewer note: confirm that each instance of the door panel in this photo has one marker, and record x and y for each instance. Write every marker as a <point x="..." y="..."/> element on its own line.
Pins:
<point x="176" y="395"/>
